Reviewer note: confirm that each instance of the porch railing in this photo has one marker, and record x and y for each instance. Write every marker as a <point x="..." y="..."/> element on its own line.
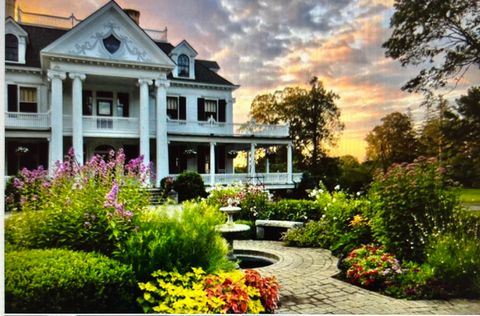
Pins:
<point x="22" y="120"/>
<point x="219" y="128"/>
<point x="104" y="125"/>
<point x="264" y="178"/>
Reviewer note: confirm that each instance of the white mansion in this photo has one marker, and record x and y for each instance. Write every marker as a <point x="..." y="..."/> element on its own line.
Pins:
<point x="105" y="83"/>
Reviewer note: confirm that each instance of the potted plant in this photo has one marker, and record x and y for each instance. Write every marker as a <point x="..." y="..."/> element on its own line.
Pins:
<point x="232" y="154"/>
<point x="189" y="153"/>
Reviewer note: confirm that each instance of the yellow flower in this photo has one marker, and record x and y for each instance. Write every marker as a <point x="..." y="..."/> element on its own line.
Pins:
<point x="358" y="220"/>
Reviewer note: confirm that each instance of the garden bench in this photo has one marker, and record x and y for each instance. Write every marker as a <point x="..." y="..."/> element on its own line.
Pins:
<point x="261" y="224"/>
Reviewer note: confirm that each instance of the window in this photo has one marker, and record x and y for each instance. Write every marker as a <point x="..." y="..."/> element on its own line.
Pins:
<point x="211" y="109"/>
<point x="11" y="47"/>
<point x="172" y="108"/>
<point x="111" y="43"/>
<point x="28" y="99"/>
<point x="183" y="66"/>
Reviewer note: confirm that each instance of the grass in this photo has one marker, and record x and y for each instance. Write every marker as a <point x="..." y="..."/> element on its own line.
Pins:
<point x="470" y="196"/>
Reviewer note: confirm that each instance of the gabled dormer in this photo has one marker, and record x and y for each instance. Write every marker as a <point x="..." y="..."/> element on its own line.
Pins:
<point x="16" y="40"/>
<point x="184" y="57"/>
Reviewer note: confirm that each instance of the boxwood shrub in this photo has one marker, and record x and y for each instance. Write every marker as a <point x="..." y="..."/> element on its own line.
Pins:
<point x="292" y="210"/>
<point x="66" y="281"/>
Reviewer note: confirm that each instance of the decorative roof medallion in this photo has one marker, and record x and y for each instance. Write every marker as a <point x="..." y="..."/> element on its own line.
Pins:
<point x="111" y="43"/>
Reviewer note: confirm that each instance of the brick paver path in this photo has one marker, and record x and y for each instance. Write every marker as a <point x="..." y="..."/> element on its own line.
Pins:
<point x="307" y="286"/>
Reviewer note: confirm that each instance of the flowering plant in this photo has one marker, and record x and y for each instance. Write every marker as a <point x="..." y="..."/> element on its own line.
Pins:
<point x="251" y="198"/>
<point x="21" y="150"/>
<point x="196" y="292"/>
<point x="87" y="207"/>
<point x="371" y="267"/>
<point x="190" y="152"/>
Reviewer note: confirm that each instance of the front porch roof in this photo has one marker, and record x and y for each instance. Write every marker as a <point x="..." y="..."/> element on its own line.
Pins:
<point x="184" y="138"/>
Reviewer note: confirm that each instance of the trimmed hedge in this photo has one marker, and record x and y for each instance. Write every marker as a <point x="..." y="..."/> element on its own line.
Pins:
<point x="292" y="210"/>
<point x="65" y="281"/>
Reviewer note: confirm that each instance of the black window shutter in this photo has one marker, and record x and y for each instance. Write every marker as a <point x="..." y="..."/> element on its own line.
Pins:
<point x="222" y="108"/>
<point x="124" y="99"/>
<point x="201" y="109"/>
<point x="12" y="98"/>
<point x="182" y="108"/>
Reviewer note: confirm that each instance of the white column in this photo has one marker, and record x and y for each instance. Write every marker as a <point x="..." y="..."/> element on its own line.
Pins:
<point x="161" y="164"/>
<point x="289" y="164"/>
<point x="144" y="113"/>
<point x="56" y="118"/>
<point x="267" y="165"/>
<point x="77" y="113"/>
<point x="252" y="162"/>
<point x="212" y="164"/>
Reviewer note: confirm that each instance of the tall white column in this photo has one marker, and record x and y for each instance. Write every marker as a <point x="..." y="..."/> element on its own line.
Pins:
<point x="267" y="165"/>
<point x="77" y="119"/>
<point x="289" y="164"/>
<point x="212" y="164"/>
<point x="56" y="118"/>
<point x="161" y="164"/>
<point x="144" y="112"/>
<point x="252" y="162"/>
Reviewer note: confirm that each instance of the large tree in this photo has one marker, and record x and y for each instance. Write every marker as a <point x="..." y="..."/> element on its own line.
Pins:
<point x="392" y="141"/>
<point x="442" y="36"/>
<point x="312" y="114"/>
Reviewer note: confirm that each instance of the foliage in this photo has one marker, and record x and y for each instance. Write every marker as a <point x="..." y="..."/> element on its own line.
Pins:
<point x="189" y="185"/>
<point x="470" y="195"/>
<point x="354" y="177"/>
<point x="187" y="239"/>
<point x="456" y="263"/>
<point x="410" y="203"/>
<point x="26" y="189"/>
<point x="313" y="116"/>
<point x="443" y="36"/>
<point x="371" y="267"/>
<point x="65" y="281"/>
<point x="393" y="141"/>
<point x="91" y="207"/>
<point x="292" y="210"/>
<point x="252" y="199"/>
<point x="343" y="225"/>
<point x="222" y="292"/>
<point x="166" y="185"/>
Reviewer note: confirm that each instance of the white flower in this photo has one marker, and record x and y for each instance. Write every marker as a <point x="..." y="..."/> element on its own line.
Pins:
<point x="337" y="187"/>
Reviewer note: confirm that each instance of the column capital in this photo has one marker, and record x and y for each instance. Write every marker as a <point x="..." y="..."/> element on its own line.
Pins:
<point x="143" y="81"/>
<point x="74" y="75"/>
<point x="55" y="74"/>
<point x="162" y="83"/>
<point x="213" y="143"/>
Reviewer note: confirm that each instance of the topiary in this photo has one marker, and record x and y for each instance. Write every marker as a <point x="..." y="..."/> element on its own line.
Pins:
<point x="65" y="281"/>
<point x="189" y="185"/>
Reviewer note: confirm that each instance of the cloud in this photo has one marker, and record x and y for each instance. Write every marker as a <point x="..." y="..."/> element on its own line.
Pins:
<point x="266" y="45"/>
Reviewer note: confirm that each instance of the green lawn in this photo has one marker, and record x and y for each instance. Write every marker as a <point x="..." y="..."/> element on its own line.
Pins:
<point x="470" y="195"/>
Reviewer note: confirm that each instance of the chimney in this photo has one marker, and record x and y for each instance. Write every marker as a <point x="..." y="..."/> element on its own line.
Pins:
<point x="10" y="8"/>
<point x="133" y="14"/>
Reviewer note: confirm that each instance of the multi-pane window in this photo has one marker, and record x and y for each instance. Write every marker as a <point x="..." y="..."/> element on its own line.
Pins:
<point x="28" y="99"/>
<point x="183" y="66"/>
<point x="11" y="47"/>
<point x="172" y="108"/>
<point x="211" y="109"/>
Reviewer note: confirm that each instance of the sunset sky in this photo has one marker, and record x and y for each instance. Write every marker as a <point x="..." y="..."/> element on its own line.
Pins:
<point x="268" y="45"/>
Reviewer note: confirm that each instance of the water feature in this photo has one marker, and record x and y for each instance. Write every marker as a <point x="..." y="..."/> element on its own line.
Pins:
<point x="230" y="230"/>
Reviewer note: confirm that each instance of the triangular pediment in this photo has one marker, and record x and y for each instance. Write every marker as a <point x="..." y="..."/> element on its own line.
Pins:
<point x="12" y="27"/>
<point x="184" y="48"/>
<point x="109" y="34"/>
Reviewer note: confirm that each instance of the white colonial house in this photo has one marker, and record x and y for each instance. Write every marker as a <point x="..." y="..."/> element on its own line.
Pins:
<point x="105" y="83"/>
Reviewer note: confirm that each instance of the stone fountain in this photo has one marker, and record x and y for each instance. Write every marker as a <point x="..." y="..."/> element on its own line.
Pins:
<point x="229" y="230"/>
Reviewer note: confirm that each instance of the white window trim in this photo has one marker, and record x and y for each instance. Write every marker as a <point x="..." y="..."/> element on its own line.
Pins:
<point x="216" y="109"/>
<point x="36" y="87"/>
<point x="178" y="107"/>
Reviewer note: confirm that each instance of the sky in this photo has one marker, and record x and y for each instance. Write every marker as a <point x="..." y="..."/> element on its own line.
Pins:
<point x="265" y="45"/>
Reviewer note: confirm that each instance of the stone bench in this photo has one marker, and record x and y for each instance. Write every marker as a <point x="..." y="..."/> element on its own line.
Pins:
<point x="261" y="224"/>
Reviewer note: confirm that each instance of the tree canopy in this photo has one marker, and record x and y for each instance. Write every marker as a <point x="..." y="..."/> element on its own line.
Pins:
<point x="443" y="36"/>
<point x="312" y="114"/>
<point x="392" y="141"/>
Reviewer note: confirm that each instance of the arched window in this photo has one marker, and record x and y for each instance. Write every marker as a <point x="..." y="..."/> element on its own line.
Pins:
<point x="183" y="66"/>
<point x="11" y="47"/>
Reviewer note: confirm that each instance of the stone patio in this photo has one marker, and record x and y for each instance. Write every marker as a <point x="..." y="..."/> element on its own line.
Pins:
<point x="307" y="286"/>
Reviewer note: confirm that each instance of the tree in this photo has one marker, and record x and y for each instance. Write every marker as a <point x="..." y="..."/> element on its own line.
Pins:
<point x="392" y="141"/>
<point x="313" y="116"/>
<point x="443" y="35"/>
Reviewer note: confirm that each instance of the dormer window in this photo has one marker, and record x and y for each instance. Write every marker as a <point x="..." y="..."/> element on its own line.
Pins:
<point x="183" y="66"/>
<point x="11" y="47"/>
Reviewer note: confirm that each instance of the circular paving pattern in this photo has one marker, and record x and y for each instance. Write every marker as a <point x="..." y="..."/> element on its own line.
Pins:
<point x="307" y="286"/>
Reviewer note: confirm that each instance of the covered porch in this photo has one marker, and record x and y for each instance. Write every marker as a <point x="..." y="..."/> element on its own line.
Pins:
<point x="229" y="160"/>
